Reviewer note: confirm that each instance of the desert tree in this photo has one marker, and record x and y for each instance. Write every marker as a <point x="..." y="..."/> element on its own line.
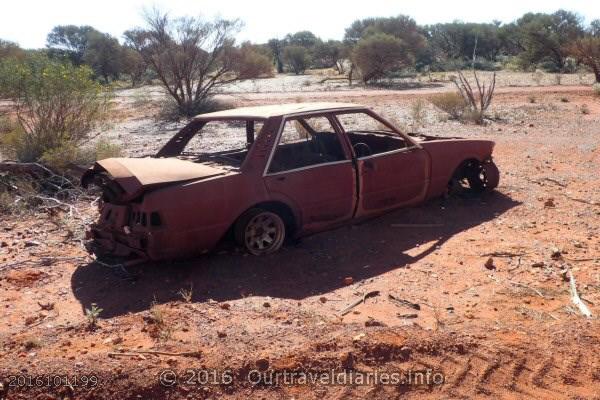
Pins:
<point x="133" y="65"/>
<point x="329" y="54"/>
<point x="378" y="54"/>
<point x="586" y="51"/>
<point x="297" y="58"/>
<point x="10" y="50"/>
<point x="69" y="41"/>
<point x="191" y="56"/>
<point x="544" y="37"/>
<point x="304" y="39"/>
<point x="276" y="46"/>
<point x="252" y="61"/>
<point x="104" y="55"/>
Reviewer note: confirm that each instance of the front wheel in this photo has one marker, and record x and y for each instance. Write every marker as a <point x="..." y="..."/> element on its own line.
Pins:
<point x="260" y="231"/>
<point x="475" y="177"/>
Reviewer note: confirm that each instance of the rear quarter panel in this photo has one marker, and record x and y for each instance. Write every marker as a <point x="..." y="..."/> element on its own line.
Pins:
<point x="446" y="157"/>
<point x="196" y="215"/>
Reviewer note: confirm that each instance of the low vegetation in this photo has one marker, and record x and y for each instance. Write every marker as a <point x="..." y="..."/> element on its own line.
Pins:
<point x="451" y="103"/>
<point x="56" y="104"/>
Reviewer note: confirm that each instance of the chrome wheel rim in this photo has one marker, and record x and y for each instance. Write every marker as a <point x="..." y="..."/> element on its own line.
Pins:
<point x="264" y="233"/>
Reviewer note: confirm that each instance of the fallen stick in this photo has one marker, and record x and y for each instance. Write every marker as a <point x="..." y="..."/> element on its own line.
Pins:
<point x="591" y="203"/>
<point x="503" y="254"/>
<point x="527" y="287"/>
<point x="404" y="302"/>
<point x="417" y="225"/>
<point x="583" y="309"/>
<point x="359" y="301"/>
<point x="158" y="353"/>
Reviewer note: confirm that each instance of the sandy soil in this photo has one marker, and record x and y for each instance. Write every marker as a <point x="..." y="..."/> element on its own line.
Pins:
<point x="506" y="330"/>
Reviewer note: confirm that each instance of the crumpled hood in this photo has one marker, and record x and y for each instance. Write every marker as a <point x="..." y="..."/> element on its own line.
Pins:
<point x="133" y="175"/>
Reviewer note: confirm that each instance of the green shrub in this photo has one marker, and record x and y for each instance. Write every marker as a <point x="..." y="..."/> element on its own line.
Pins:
<point x="418" y="112"/>
<point x="596" y="89"/>
<point x="452" y="103"/>
<point x="172" y="112"/>
<point x="57" y="105"/>
<point x="297" y="58"/>
<point x="379" y="54"/>
<point x="62" y="157"/>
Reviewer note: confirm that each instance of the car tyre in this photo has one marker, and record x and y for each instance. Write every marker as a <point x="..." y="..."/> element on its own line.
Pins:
<point x="260" y="231"/>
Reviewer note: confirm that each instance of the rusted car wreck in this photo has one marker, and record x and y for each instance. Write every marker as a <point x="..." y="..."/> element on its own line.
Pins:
<point x="277" y="172"/>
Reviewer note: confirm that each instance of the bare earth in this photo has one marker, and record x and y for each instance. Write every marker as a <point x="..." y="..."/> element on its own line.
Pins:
<point x="509" y="330"/>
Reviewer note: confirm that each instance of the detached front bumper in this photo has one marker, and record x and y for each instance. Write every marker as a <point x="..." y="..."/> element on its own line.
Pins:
<point x="103" y="242"/>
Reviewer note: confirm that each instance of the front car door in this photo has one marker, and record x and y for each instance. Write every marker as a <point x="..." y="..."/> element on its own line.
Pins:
<point x="393" y="170"/>
<point x="311" y="169"/>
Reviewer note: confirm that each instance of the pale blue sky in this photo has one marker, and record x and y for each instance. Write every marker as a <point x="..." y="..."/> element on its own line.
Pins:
<point x="28" y="22"/>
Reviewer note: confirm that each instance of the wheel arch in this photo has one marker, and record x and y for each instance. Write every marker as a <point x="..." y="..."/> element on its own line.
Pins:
<point x="285" y="211"/>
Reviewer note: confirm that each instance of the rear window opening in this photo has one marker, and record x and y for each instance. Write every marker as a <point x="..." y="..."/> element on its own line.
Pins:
<point x="222" y="142"/>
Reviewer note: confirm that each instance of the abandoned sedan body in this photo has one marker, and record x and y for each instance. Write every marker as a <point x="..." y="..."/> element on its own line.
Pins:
<point x="280" y="171"/>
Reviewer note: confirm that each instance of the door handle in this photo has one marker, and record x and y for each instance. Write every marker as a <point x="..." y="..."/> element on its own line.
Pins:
<point x="369" y="165"/>
<point x="280" y="178"/>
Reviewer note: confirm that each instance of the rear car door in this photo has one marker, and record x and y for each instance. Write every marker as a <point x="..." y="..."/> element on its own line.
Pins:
<point x="311" y="168"/>
<point x="393" y="170"/>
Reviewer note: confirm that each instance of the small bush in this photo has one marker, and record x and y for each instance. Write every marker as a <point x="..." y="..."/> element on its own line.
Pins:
<point x="564" y="99"/>
<point x="62" y="157"/>
<point x="451" y="103"/>
<point x="379" y="54"/>
<point x="297" y="58"/>
<point x="170" y="111"/>
<point x="596" y="89"/>
<point x="418" y="112"/>
<point x="531" y="98"/>
<point x="251" y="63"/>
<point x="56" y="104"/>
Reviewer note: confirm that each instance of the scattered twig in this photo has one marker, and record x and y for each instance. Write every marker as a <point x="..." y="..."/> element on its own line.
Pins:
<point x="359" y="301"/>
<point x="575" y="296"/>
<point x="133" y="352"/>
<point x="527" y="287"/>
<point x="404" y="302"/>
<point x="503" y="254"/>
<point x="591" y="203"/>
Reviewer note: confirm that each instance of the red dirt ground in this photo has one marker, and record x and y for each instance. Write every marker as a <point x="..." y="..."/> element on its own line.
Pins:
<point x="509" y="331"/>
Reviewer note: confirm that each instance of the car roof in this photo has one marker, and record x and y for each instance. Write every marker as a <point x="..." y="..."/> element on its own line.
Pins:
<point x="276" y="110"/>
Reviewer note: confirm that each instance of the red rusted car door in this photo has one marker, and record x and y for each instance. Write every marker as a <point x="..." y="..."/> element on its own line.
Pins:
<point x="393" y="171"/>
<point x="311" y="169"/>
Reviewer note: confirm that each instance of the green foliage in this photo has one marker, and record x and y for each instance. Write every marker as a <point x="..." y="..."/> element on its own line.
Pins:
<point x="133" y="65"/>
<point x="69" y="41"/>
<point x="297" y="58"/>
<point x="56" y="104"/>
<point x="596" y="89"/>
<point x="92" y="314"/>
<point x="458" y="40"/>
<point x="252" y="62"/>
<point x="10" y="50"/>
<point x="452" y="103"/>
<point x="544" y="37"/>
<point x="380" y="53"/>
<point x="62" y="157"/>
<point x="172" y="112"/>
<point x="304" y="39"/>
<point x="104" y="55"/>
<point x="327" y="54"/>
